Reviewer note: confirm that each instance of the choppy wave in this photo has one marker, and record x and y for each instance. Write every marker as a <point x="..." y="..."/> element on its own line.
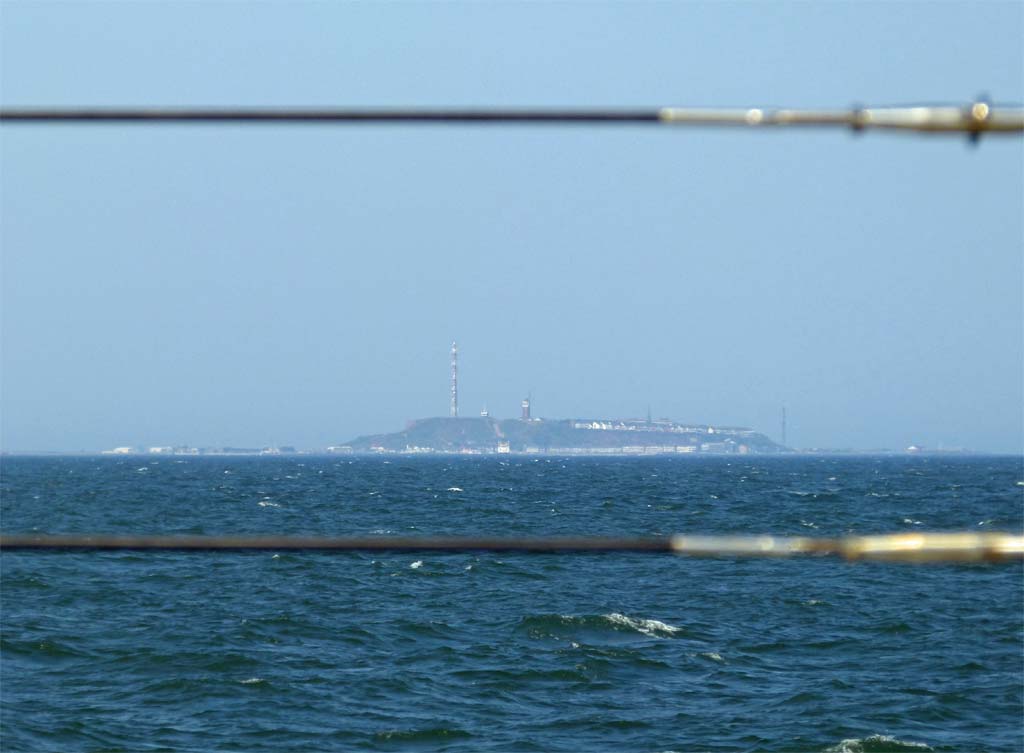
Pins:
<point x="563" y="625"/>
<point x="647" y="627"/>
<point x="877" y="744"/>
<point x="712" y="655"/>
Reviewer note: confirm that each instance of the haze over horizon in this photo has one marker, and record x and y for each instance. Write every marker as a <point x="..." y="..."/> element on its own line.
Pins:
<point x="272" y="285"/>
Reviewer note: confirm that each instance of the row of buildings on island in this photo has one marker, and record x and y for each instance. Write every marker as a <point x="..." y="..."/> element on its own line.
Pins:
<point x="192" y="451"/>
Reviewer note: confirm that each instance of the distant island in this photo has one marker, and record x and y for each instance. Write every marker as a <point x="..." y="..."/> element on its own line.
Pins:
<point x="528" y="436"/>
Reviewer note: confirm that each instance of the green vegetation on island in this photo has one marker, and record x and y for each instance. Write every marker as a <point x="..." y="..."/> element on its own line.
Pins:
<point x="485" y="435"/>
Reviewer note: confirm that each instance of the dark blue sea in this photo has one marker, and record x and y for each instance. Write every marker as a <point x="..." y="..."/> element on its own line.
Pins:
<point x="600" y="652"/>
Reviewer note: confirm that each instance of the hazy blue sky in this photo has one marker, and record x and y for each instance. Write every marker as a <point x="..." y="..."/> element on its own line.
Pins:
<point x="302" y="285"/>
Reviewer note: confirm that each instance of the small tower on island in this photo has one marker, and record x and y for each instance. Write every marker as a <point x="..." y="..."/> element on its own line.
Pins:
<point x="453" y="409"/>
<point x="526" y="409"/>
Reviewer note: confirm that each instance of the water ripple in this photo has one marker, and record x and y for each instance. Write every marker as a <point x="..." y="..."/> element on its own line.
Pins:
<point x="460" y="652"/>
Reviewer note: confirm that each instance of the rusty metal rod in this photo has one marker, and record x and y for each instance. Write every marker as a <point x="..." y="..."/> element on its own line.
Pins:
<point x="973" y="119"/>
<point x="901" y="547"/>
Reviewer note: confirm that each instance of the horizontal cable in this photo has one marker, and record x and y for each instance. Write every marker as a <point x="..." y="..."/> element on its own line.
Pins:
<point x="901" y="547"/>
<point x="974" y="119"/>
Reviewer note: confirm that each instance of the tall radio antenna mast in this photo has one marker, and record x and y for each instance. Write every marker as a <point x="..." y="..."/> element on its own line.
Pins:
<point x="454" y="408"/>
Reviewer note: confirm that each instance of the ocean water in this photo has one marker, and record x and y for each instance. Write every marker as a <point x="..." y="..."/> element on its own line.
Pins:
<point x="315" y="651"/>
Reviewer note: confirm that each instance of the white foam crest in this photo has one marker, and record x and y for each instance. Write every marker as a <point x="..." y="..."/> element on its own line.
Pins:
<point x="653" y="628"/>
<point x="910" y="521"/>
<point x="253" y="681"/>
<point x="713" y="655"/>
<point x="454" y="489"/>
<point x="416" y="565"/>
<point x="855" y="745"/>
<point x="268" y="503"/>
